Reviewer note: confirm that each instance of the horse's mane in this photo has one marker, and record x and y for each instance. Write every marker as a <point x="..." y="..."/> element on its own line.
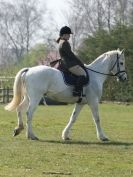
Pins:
<point x="112" y="52"/>
<point x="98" y="59"/>
<point x="108" y="53"/>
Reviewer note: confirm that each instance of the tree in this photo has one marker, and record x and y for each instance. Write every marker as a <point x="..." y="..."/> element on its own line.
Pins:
<point x="76" y="22"/>
<point x="20" y="25"/>
<point x="103" y="41"/>
<point x="86" y="17"/>
<point x="34" y="57"/>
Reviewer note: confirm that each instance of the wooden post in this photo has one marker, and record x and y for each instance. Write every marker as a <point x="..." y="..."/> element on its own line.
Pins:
<point x="7" y="95"/>
<point x="3" y="95"/>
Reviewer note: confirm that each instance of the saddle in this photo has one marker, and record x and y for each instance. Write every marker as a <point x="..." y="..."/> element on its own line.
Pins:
<point x="69" y="78"/>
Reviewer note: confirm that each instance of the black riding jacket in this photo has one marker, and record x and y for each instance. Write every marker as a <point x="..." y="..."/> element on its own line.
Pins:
<point x="68" y="57"/>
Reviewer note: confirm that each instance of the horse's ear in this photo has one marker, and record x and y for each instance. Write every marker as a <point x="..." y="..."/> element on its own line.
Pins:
<point x="123" y="50"/>
<point x="118" y="49"/>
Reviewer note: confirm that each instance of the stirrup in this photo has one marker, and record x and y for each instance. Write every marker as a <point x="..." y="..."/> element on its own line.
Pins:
<point x="76" y="93"/>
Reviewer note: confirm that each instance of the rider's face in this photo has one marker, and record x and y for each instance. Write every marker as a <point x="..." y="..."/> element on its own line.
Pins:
<point x="66" y="36"/>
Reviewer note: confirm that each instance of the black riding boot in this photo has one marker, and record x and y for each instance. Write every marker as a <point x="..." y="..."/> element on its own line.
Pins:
<point x="79" y="86"/>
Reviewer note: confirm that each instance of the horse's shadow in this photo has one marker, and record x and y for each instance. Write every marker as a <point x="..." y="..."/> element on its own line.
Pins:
<point x="107" y="143"/>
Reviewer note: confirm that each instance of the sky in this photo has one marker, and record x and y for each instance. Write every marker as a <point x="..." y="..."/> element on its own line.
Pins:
<point x="56" y="8"/>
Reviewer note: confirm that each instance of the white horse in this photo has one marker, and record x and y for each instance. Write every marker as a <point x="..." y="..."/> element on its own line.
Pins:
<point x="32" y="83"/>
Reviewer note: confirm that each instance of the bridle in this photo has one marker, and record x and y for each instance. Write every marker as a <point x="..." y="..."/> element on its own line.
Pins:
<point x="118" y="69"/>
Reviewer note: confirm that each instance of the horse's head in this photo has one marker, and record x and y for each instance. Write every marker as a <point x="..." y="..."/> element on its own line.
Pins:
<point x="118" y="67"/>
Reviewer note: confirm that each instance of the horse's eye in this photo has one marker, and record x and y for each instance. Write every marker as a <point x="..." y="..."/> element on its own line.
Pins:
<point x="121" y="63"/>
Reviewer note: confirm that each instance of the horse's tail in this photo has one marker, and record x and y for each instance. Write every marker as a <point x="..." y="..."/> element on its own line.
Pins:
<point x="17" y="91"/>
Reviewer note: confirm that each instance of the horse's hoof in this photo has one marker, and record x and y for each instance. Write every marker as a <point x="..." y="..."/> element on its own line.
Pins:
<point x="105" y="139"/>
<point x="67" y="139"/>
<point x="33" y="138"/>
<point x="16" y="132"/>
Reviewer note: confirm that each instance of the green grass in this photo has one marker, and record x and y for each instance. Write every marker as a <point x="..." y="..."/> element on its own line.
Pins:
<point x="83" y="156"/>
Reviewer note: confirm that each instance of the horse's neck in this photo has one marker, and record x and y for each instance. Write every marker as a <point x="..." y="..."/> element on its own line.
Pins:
<point x="101" y="65"/>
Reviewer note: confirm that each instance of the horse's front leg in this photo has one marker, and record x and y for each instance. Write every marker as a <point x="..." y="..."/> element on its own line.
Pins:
<point x="95" y="113"/>
<point x="75" y="113"/>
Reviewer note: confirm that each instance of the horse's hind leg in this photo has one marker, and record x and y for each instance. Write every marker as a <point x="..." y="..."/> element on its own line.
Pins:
<point x="33" y="102"/>
<point x="20" y="126"/>
<point x="75" y="113"/>
<point x="22" y="107"/>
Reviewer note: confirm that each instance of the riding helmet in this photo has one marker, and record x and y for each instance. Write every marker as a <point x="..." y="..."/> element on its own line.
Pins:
<point x="65" y="30"/>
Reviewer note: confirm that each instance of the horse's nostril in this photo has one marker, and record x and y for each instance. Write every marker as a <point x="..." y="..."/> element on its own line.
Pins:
<point x="125" y="79"/>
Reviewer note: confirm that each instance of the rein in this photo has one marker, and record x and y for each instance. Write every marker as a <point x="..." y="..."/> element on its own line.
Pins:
<point x="107" y="74"/>
<point x="100" y="72"/>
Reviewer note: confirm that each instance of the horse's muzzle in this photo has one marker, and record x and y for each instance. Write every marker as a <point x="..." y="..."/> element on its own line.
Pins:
<point x="122" y="76"/>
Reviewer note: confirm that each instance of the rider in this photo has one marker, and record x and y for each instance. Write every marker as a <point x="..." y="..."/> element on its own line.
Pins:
<point x="70" y="61"/>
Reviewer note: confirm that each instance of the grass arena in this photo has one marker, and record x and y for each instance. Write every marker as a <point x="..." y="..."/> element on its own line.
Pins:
<point x="83" y="155"/>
